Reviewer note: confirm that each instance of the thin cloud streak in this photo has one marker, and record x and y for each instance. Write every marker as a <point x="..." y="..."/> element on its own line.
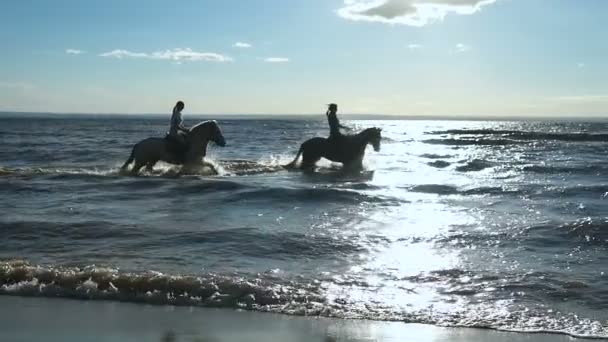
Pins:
<point x="276" y="60"/>
<point x="242" y="45"/>
<point x="74" y="52"/>
<point x="175" y="55"/>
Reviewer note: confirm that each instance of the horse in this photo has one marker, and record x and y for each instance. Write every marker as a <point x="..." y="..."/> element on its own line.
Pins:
<point x="149" y="151"/>
<point x="346" y="149"/>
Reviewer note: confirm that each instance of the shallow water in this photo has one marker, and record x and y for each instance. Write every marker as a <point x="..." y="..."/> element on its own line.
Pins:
<point x="454" y="223"/>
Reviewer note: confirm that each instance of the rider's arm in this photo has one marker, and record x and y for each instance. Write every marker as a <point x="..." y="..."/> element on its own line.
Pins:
<point x="182" y="128"/>
<point x="333" y="120"/>
<point x="178" y="122"/>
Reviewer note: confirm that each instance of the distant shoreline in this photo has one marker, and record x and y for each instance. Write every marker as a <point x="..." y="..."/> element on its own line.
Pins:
<point x="52" y="115"/>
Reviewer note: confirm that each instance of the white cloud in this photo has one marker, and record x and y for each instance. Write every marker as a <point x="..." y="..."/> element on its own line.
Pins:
<point x="74" y="52"/>
<point x="460" y="48"/>
<point x="414" y="46"/>
<point x="124" y="53"/>
<point x="276" y="60"/>
<point x="581" y="65"/>
<point x="242" y="45"/>
<point x="172" y="55"/>
<point x="408" y="12"/>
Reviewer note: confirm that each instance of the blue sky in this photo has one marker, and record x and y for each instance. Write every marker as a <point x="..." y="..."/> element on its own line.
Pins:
<point x="409" y="57"/>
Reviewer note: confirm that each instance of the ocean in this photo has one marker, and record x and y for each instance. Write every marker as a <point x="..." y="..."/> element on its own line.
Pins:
<point x="488" y="224"/>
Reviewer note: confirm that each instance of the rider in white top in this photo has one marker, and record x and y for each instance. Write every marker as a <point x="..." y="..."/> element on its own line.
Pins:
<point x="178" y="130"/>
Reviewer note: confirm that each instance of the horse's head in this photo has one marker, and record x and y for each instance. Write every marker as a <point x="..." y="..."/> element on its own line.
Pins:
<point x="216" y="134"/>
<point x="210" y="131"/>
<point x="374" y="137"/>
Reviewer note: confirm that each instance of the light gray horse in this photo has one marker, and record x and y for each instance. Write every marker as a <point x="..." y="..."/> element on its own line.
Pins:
<point x="346" y="149"/>
<point x="149" y="151"/>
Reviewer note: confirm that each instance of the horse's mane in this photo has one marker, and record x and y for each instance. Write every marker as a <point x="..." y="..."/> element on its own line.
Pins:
<point x="365" y="132"/>
<point x="200" y="124"/>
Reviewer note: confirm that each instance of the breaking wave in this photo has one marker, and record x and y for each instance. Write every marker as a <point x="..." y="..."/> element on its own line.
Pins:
<point x="268" y="292"/>
<point x="526" y="135"/>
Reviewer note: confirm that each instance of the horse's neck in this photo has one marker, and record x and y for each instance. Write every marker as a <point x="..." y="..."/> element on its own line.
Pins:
<point x="199" y="142"/>
<point x="204" y="144"/>
<point x="362" y="139"/>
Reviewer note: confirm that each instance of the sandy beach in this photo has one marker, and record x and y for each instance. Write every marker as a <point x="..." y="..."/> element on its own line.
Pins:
<point x="59" y="320"/>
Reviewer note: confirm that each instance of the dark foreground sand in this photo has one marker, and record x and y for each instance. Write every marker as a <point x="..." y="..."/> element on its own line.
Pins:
<point x="59" y="320"/>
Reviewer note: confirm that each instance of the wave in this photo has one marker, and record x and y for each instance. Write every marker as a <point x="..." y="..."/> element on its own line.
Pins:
<point x="243" y="242"/>
<point x="435" y="156"/>
<point x="437" y="189"/>
<point x="58" y="172"/>
<point x="91" y="282"/>
<point x="475" y="165"/>
<point x="529" y="190"/>
<point x="440" y="189"/>
<point x="288" y="195"/>
<point x="474" y="132"/>
<point x="527" y="135"/>
<point x="440" y="164"/>
<point x="587" y="231"/>
<point x="226" y="168"/>
<point x="581" y="233"/>
<point x="252" y="242"/>
<point x="596" y="191"/>
<point x="580" y="170"/>
<point x="269" y="292"/>
<point x="240" y="167"/>
<point x="473" y="142"/>
<point x="209" y="186"/>
<point x="30" y="230"/>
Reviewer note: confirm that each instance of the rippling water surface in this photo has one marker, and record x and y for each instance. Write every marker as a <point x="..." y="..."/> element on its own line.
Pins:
<point x="480" y="224"/>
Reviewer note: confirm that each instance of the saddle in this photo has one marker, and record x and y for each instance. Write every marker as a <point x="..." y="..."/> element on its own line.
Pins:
<point x="177" y="149"/>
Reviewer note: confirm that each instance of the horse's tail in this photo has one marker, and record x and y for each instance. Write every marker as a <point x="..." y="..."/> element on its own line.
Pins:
<point x="129" y="161"/>
<point x="292" y="165"/>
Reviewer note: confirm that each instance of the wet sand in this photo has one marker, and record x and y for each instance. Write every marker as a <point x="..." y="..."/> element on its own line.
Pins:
<point x="60" y="320"/>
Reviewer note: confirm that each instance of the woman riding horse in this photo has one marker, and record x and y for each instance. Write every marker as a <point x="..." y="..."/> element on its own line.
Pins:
<point x="346" y="149"/>
<point x="152" y="150"/>
<point x="178" y="131"/>
<point x="334" y="123"/>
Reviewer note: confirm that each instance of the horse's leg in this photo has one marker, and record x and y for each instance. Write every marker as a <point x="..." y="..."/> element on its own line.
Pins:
<point x="150" y="165"/>
<point x="138" y="165"/>
<point x="354" y="166"/>
<point x="309" y="160"/>
<point x="211" y="166"/>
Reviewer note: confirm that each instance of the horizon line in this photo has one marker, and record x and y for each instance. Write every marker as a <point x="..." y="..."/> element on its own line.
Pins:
<point x="358" y="116"/>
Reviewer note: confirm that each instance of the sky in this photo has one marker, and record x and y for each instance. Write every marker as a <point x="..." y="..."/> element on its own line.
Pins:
<point x="402" y="57"/>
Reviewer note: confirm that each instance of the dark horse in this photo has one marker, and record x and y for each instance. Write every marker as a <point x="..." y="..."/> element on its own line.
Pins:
<point x="149" y="151"/>
<point x="346" y="149"/>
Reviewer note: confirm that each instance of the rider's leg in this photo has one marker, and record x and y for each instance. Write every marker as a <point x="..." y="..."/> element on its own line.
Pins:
<point x="181" y="138"/>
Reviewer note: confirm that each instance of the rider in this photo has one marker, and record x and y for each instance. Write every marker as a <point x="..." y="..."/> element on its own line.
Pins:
<point x="178" y="130"/>
<point x="334" y="123"/>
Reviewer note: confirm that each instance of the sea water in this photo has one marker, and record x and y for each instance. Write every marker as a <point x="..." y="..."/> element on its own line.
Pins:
<point x="487" y="224"/>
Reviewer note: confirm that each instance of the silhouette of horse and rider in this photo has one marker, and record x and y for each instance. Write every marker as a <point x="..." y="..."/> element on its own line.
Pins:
<point x="188" y="147"/>
<point x="182" y="146"/>
<point x="346" y="149"/>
